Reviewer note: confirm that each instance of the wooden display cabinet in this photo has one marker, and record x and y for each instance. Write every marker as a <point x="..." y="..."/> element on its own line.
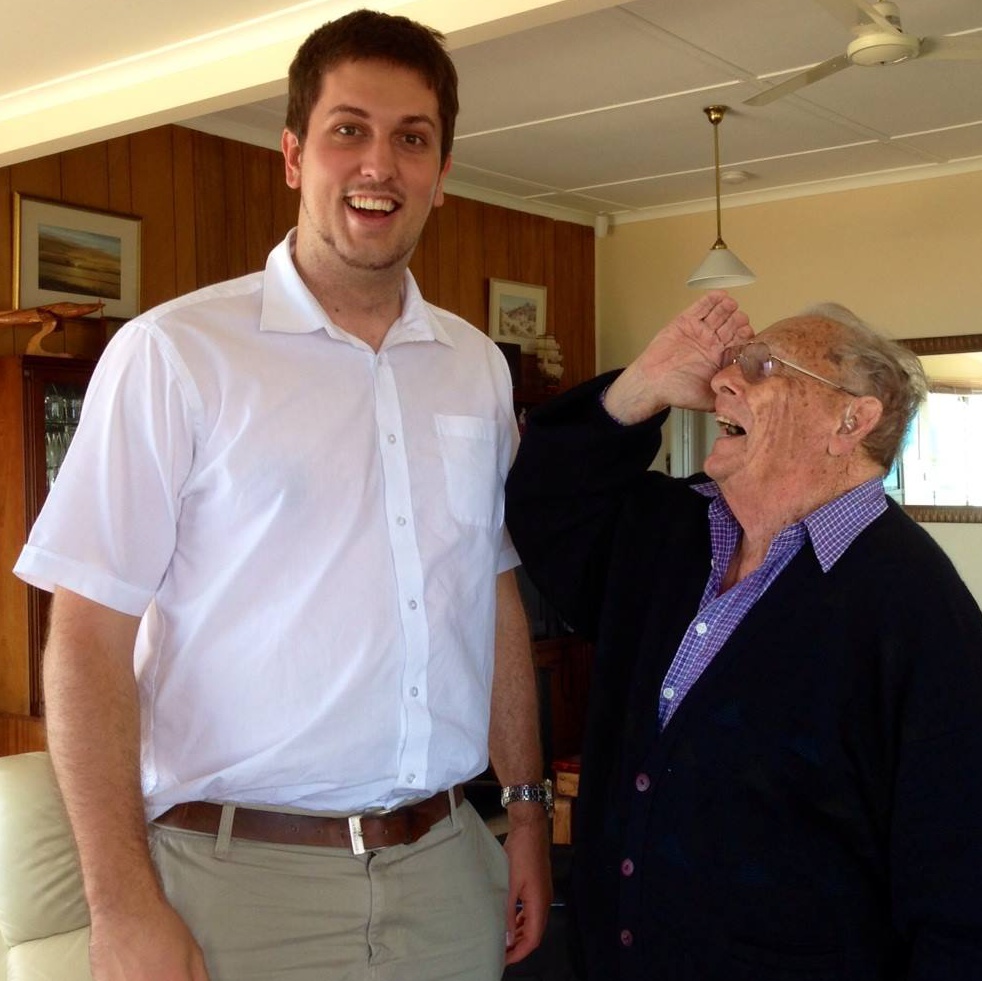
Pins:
<point x="40" y="400"/>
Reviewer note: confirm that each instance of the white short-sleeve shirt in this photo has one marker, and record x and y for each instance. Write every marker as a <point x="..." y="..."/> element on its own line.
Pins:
<point x="311" y="532"/>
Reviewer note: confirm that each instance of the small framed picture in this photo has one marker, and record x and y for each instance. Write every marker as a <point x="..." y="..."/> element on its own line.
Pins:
<point x="517" y="313"/>
<point x="65" y="253"/>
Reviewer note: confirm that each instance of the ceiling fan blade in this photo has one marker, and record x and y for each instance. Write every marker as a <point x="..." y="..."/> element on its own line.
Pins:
<point x="799" y="81"/>
<point x="966" y="47"/>
<point x="856" y="12"/>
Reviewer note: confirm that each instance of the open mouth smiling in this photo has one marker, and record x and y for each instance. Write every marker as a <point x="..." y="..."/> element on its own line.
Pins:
<point x="730" y="428"/>
<point x="365" y="203"/>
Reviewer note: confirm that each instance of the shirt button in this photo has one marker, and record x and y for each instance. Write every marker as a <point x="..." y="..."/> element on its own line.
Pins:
<point x="411" y="778"/>
<point x="669" y="693"/>
<point x="642" y="781"/>
<point x="400" y="521"/>
<point x="414" y="691"/>
<point x="701" y="628"/>
<point x="627" y="938"/>
<point x="392" y="437"/>
<point x="627" y="867"/>
<point x="413" y="604"/>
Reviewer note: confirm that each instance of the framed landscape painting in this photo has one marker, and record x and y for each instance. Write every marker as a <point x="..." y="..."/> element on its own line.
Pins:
<point x="517" y="313"/>
<point x="66" y="253"/>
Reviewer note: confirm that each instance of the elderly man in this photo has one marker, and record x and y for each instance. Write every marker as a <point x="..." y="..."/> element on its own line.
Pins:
<point x="782" y="775"/>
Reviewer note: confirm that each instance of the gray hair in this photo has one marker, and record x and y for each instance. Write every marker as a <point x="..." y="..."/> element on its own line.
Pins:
<point x="875" y="365"/>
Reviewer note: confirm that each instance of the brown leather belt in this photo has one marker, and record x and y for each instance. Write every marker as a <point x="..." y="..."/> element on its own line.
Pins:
<point x="359" y="833"/>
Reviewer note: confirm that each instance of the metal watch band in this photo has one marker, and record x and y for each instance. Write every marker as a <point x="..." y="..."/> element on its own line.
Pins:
<point x="535" y="793"/>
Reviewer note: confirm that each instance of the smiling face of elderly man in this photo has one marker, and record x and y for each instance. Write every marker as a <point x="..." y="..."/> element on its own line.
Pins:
<point x="792" y="425"/>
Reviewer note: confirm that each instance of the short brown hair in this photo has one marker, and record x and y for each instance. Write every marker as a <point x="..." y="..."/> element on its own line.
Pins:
<point x="365" y="35"/>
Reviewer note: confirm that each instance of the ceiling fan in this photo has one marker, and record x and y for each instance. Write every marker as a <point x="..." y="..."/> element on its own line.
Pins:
<point x="879" y="39"/>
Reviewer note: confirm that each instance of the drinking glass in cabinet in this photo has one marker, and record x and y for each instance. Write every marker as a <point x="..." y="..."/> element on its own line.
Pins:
<point x="55" y="448"/>
<point x="54" y="407"/>
<point x="62" y="408"/>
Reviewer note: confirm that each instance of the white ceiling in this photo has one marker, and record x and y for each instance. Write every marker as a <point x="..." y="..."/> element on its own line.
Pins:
<point x="596" y="111"/>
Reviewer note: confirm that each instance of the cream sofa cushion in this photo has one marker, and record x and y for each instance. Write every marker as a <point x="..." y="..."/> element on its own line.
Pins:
<point x="40" y="883"/>
<point x="64" y="957"/>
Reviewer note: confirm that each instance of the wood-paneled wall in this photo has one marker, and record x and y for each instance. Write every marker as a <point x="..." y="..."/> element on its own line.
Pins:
<point x="15" y="685"/>
<point x="21" y="734"/>
<point x="466" y="243"/>
<point x="212" y="208"/>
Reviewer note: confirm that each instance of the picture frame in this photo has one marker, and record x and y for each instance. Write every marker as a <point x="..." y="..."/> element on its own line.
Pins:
<point x="516" y="313"/>
<point x="66" y="253"/>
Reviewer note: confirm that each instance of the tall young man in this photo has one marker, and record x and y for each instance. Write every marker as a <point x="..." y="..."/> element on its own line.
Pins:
<point x="285" y="626"/>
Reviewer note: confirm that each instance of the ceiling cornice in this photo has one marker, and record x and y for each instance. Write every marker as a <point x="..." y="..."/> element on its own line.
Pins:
<point x="741" y="199"/>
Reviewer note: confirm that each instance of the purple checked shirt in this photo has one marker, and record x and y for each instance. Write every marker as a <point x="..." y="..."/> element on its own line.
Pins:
<point x="831" y="529"/>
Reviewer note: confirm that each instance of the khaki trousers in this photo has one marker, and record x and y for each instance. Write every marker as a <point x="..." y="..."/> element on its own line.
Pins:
<point x="430" y="911"/>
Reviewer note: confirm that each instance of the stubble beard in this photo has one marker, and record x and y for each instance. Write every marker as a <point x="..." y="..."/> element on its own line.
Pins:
<point x="382" y="264"/>
<point x="398" y="256"/>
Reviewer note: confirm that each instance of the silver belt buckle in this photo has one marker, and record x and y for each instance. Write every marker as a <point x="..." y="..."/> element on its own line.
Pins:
<point x="354" y="832"/>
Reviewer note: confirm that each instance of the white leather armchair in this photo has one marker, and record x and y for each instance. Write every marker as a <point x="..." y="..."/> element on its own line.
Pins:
<point x="44" y="920"/>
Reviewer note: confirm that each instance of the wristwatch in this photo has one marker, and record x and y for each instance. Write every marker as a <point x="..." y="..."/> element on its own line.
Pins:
<point x="536" y="793"/>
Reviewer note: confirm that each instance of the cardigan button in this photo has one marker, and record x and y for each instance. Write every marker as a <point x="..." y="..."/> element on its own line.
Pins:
<point x="642" y="781"/>
<point x="627" y="867"/>
<point x="627" y="938"/>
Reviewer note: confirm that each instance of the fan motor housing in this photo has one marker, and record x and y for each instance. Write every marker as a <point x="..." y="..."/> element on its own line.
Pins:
<point x="879" y="48"/>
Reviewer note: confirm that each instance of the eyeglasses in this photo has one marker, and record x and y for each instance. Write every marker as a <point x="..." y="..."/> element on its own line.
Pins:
<point x="757" y="363"/>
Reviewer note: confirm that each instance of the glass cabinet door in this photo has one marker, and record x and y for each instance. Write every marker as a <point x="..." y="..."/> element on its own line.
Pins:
<point x="53" y="392"/>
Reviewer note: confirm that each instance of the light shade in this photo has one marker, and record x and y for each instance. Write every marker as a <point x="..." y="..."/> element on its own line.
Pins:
<point x="720" y="270"/>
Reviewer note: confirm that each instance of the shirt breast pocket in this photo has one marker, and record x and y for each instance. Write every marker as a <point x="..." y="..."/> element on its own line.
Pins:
<point x="475" y="489"/>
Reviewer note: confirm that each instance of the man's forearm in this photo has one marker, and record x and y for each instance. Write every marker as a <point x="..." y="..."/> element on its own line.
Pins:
<point x="516" y="754"/>
<point x="514" y="743"/>
<point x="94" y="739"/>
<point x="93" y="725"/>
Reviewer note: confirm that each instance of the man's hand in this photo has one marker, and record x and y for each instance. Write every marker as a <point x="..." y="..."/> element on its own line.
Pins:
<point x="529" y="879"/>
<point x="676" y="367"/>
<point x="145" y="945"/>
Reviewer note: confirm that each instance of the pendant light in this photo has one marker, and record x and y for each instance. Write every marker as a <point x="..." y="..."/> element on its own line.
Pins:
<point x="721" y="269"/>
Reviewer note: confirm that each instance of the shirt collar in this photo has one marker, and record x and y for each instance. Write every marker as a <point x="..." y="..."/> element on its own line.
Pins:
<point x="835" y="526"/>
<point x="831" y="528"/>
<point x="290" y="308"/>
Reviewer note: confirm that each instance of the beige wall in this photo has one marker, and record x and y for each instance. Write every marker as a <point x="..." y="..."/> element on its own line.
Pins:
<point x="905" y="257"/>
